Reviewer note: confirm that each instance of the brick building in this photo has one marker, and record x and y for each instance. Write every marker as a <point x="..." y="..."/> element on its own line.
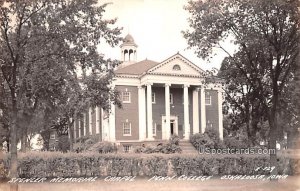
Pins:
<point x="159" y="99"/>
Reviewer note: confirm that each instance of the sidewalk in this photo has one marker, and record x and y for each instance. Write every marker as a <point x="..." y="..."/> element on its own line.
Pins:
<point x="290" y="184"/>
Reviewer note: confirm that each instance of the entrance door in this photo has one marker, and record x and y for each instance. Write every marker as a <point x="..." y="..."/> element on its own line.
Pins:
<point x="172" y="127"/>
<point x="173" y="130"/>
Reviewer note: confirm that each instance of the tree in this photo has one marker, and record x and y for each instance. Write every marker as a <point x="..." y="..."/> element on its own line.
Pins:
<point x="241" y="99"/>
<point x="43" y="45"/>
<point x="265" y="32"/>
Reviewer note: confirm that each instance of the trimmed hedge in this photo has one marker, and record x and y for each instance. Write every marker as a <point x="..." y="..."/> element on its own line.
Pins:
<point x="55" y="164"/>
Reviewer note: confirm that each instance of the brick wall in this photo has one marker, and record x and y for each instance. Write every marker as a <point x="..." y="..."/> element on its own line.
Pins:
<point x="130" y="112"/>
<point x="212" y="113"/>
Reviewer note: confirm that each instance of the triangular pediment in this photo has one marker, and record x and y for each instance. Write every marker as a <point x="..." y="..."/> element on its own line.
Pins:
<point x="176" y="65"/>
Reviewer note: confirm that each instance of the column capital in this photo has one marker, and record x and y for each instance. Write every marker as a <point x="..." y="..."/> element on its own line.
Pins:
<point x="197" y="89"/>
<point x="149" y="84"/>
<point x="168" y="84"/>
<point x="186" y="85"/>
<point x="140" y="87"/>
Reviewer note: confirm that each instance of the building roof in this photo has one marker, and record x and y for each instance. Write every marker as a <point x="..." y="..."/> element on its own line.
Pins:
<point x="128" y="40"/>
<point x="137" y="68"/>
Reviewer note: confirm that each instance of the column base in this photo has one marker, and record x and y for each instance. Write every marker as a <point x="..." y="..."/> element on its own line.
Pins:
<point x="186" y="136"/>
<point x="150" y="139"/>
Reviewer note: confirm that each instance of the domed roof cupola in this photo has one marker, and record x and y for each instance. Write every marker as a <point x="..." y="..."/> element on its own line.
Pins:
<point x="128" y="40"/>
<point x="128" y="49"/>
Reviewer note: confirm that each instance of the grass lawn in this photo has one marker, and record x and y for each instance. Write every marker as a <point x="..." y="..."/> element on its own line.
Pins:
<point x="290" y="184"/>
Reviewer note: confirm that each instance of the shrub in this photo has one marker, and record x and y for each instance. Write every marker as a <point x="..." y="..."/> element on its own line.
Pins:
<point x="232" y="142"/>
<point x="214" y="137"/>
<point x="209" y="139"/>
<point x="3" y="171"/>
<point x="63" y="143"/>
<point x="80" y="147"/>
<point x="202" y="140"/>
<point x="174" y="139"/>
<point x="90" y="143"/>
<point x="139" y="149"/>
<point x="168" y="148"/>
<point x="103" y="147"/>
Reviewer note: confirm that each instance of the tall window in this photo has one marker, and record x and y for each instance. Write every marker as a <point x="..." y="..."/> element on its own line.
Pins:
<point x="127" y="129"/>
<point x="207" y="99"/>
<point x="209" y="124"/>
<point x="171" y="98"/>
<point x="126" y="97"/>
<point x="154" y="129"/>
<point x="153" y="97"/>
<point x="52" y="136"/>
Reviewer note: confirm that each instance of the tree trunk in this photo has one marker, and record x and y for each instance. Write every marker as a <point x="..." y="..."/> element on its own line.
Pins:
<point x="71" y="137"/>
<point x="272" y="145"/>
<point x="273" y="133"/>
<point x="8" y="144"/>
<point x="23" y="140"/>
<point x="13" y="143"/>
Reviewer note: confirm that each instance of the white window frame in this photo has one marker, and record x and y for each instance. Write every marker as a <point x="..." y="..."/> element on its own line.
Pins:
<point x="176" y="67"/>
<point x="123" y="125"/>
<point x="129" y="148"/>
<point x="154" y="129"/>
<point x="207" y="101"/>
<point x="209" y="124"/>
<point x="153" y="98"/>
<point x="171" y="99"/>
<point x="52" y="136"/>
<point x="129" y="97"/>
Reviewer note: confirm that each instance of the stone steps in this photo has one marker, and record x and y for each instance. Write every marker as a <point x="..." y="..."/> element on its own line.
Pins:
<point x="187" y="147"/>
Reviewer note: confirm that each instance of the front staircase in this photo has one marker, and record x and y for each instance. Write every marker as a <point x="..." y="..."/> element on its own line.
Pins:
<point x="187" y="147"/>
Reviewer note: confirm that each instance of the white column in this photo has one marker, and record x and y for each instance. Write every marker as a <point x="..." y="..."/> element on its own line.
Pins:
<point x="186" y="112"/>
<point x="69" y="132"/>
<point x="196" y="111"/>
<point x="142" y="113"/>
<point x="97" y="120"/>
<point x="103" y="126"/>
<point x="203" y="110"/>
<point x="220" y="111"/>
<point x="90" y="121"/>
<point x="79" y="126"/>
<point x="112" y="123"/>
<point x="74" y="126"/>
<point x="166" y="131"/>
<point x="149" y="112"/>
<point x="84" y="124"/>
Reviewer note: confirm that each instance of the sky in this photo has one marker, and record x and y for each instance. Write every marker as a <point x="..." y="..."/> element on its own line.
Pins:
<point x="156" y="26"/>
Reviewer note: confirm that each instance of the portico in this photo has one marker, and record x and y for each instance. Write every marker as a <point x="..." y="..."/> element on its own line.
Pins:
<point x="169" y="120"/>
